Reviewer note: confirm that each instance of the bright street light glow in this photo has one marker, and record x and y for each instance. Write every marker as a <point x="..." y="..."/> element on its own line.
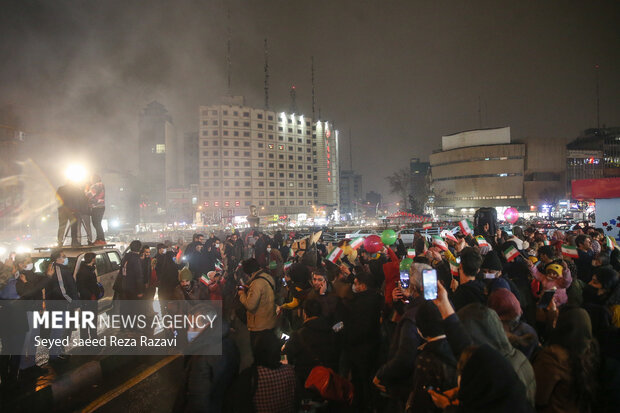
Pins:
<point x="75" y="173"/>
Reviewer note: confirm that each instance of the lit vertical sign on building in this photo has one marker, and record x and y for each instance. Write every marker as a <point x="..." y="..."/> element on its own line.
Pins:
<point x="328" y="135"/>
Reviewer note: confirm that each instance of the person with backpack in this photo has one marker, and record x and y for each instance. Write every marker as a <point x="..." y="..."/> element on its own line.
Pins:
<point x="258" y="298"/>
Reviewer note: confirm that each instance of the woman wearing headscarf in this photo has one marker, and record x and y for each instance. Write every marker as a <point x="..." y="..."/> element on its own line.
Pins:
<point x="567" y="368"/>
<point x="487" y="383"/>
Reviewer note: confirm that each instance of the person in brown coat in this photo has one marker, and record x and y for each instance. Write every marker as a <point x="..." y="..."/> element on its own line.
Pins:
<point x="567" y="368"/>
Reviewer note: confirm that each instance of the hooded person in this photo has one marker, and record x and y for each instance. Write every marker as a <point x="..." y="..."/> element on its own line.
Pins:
<point x="485" y="327"/>
<point x="520" y="334"/>
<point x="489" y="384"/>
<point x="435" y="363"/>
<point x="567" y="368"/>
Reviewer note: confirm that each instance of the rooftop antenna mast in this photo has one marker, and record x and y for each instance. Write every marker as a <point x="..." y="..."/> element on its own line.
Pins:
<point x="479" y="113"/>
<point x="598" y="106"/>
<point x="293" y="94"/>
<point x="266" y="76"/>
<point x="228" y="59"/>
<point x="312" y="74"/>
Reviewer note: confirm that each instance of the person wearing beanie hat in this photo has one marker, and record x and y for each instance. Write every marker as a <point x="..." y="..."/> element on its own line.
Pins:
<point x="188" y="289"/>
<point x="521" y="335"/>
<point x="491" y="269"/>
<point x="435" y="364"/>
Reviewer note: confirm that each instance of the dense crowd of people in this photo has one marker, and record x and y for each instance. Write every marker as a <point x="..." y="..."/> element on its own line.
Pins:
<point x="519" y="323"/>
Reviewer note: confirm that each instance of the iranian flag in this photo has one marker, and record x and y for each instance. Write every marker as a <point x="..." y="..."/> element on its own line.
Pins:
<point x="287" y="265"/>
<point x="218" y="265"/>
<point x="610" y="242"/>
<point x="569" y="251"/>
<point x="204" y="279"/>
<point x="511" y="253"/>
<point x="454" y="269"/>
<point x="428" y="225"/>
<point x="482" y="242"/>
<point x="411" y="253"/>
<point x="546" y="242"/>
<point x="449" y="235"/>
<point x="357" y="242"/>
<point x="439" y="242"/>
<point x="334" y="255"/>
<point x="466" y="227"/>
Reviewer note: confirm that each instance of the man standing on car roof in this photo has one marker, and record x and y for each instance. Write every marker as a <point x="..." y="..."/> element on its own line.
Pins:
<point x="71" y="202"/>
<point x="96" y="202"/>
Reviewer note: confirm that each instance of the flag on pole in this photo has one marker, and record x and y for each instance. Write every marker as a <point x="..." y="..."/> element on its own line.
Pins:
<point x="334" y="255"/>
<point x="466" y="227"/>
<point x="449" y="235"/>
<point x="569" y="251"/>
<point x="287" y="265"/>
<point x="482" y="242"/>
<point x="218" y="265"/>
<point x="357" y="242"/>
<point x="427" y="226"/>
<point x="204" y="279"/>
<point x="511" y="253"/>
<point x="411" y="253"/>
<point x="454" y="269"/>
<point x="439" y="242"/>
<point x="610" y="242"/>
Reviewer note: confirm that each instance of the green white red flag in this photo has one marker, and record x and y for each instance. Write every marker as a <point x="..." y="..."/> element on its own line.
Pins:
<point x="569" y="251"/>
<point x="439" y="242"/>
<point x="287" y="265"/>
<point x="411" y="253"/>
<point x="454" y="268"/>
<point x="610" y="242"/>
<point x="449" y="235"/>
<point x="357" y="242"/>
<point x="546" y="242"/>
<point x="334" y="255"/>
<point x="466" y="227"/>
<point x="218" y="265"/>
<point x="428" y="225"/>
<point x="204" y="279"/>
<point x="482" y="242"/>
<point x="511" y="253"/>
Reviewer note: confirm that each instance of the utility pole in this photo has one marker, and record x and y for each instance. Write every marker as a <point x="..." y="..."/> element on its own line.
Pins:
<point x="228" y="59"/>
<point x="293" y="94"/>
<point x="598" y="107"/>
<point x="312" y="78"/>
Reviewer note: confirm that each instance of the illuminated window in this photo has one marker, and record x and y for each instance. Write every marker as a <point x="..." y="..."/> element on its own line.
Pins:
<point x="160" y="148"/>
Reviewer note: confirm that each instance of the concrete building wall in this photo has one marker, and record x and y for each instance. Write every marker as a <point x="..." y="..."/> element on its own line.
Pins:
<point x="490" y="175"/>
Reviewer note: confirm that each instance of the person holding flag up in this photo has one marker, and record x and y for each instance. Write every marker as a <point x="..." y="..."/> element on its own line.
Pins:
<point x="468" y="289"/>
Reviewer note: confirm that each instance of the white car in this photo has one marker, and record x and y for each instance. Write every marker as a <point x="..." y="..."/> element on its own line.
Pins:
<point x="360" y="233"/>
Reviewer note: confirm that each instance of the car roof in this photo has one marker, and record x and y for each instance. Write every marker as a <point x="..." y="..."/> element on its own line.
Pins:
<point x="73" y="252"/>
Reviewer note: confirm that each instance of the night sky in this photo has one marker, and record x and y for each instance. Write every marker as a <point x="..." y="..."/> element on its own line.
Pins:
<point x="399" y="74"/>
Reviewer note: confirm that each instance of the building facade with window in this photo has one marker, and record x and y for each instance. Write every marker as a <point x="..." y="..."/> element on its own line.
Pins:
<point x="249" y="156"/>
<point x="478" y="168"/>
<point x="157" y="161"/>
<point x="350" y="192"/>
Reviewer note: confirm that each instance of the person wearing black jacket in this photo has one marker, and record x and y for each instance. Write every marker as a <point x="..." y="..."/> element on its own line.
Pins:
<point x="59" y="296"/>
<point x="314" y="344"/>
<point x="86" y="280"/>
<point x="362" y="338"/>
<point x="470" y="290"/>
<point x="72" y="202"/>
<point x="133" y="277"/>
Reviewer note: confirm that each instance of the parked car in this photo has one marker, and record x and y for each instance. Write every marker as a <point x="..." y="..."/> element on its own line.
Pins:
<point x="107" y="262"/>
<point x="360" y="233"/>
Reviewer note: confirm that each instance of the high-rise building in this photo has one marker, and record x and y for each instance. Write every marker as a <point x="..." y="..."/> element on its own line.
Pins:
<point x="350" y="192"/>
<point x="190" y="159"/>
<point x="419" y="184"/>
<point x="282" y="163"/>
<point x="11" y="141"/>
<point x="157" y="155"/>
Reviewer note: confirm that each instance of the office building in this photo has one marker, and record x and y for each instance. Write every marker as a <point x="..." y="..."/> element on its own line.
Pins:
<point x="283" y="163"/>
<point x="350" y="192"/>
